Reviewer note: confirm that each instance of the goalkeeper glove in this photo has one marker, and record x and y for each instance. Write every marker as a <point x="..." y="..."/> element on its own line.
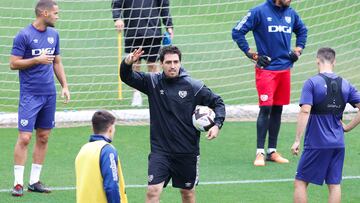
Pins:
<point x="294" y="54"/>
<point x="261" y="61"/>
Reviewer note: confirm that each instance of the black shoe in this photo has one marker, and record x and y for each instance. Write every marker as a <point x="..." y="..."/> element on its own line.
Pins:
<point x="38" y="187"/>
<point x="17" y="191"/>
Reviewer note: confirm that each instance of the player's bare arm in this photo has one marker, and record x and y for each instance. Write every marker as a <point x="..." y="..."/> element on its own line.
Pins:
<point x="354" y="122"/>
<point x="60" y="75"/>
<point x="18" y="63"/>
<point x="303" y="118"/>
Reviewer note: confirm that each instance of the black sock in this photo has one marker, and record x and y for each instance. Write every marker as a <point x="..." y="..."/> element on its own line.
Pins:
<point x="274" y="125"/>
<point x="262" y="125"/>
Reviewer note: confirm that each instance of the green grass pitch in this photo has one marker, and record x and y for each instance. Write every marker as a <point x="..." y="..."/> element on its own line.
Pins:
<point x="227" y="158"/>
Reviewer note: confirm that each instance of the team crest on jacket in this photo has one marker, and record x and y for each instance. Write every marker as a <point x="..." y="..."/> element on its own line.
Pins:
<point x="288" y="19"/>
<point x="182" y="94"/>
<point x="50" y="40"/>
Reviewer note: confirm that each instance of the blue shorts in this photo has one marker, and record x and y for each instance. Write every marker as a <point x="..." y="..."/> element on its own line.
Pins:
<point x="36" y="111"/>
<point x="183" y="170"/>
<point x="319" y="165"/>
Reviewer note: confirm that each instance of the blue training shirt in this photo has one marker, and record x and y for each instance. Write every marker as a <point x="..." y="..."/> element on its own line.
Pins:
<point x="325" y="130"/>
<point x="109" y="171"/>
<point x="29" y="43"/>
<point x="272" y="27"/>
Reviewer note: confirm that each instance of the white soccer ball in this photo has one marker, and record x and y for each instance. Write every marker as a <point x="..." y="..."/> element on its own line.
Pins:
<point x="203" y="118"/>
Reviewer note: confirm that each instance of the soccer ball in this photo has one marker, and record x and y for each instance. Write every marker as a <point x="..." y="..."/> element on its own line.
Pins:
<point x="203" y="118"/>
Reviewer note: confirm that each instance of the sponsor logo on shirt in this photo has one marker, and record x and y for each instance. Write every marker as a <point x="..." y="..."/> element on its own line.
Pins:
<point x="35" y="41"/>
<point x="279" y="28"/>
<point x="182" y="94"/>
<point x="269" y="19"/>
<point x="38" y="52"/>
<point x="161" y="92"/>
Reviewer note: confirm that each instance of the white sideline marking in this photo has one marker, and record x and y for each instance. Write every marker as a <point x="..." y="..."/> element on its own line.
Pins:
<point x="206" y="183"/>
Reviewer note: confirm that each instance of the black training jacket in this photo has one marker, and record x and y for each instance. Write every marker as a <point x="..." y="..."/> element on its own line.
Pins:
<point x="171" y="104"/>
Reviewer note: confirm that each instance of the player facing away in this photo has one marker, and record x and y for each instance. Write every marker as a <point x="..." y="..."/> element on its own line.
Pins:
<point x="322" y="102"/>
<point x="36" y="55"/>
<point x="141" y="21"/>
<point x="173" y="96"/>
<point x="97" y="165"/>
<point x="272" y="24"/>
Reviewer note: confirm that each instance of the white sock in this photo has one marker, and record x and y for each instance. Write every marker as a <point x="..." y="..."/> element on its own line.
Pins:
<point x="260" y="151"/>
<point x="270" y="150"/>
<point x="35" y="173"/>
<point x="19" y="174"/>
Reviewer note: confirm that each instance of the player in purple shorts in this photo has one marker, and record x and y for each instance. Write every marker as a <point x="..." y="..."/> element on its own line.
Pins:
<point x="36" y="55"/>
<point x="322" y="102"/>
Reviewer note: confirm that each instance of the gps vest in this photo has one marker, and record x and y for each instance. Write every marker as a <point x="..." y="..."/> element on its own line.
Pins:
<point x="333" y="103"/>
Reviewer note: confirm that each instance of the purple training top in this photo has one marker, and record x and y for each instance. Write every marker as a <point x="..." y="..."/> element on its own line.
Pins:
<point x="29" y="43"/>
<point x="325" y="130"/>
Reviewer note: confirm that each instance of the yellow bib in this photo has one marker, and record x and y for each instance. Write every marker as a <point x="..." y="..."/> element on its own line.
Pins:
<point x="89" y="181"/>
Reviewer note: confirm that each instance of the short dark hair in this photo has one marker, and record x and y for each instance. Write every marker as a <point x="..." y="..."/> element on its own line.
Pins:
<point x="326" y="54"/>
<point x="169" y="50"/>
<point x="44" y="5"/>
<point x="101" y="121"/>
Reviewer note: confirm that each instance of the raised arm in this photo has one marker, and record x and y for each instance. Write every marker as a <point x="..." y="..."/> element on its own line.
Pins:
<point x="132" y="78"/>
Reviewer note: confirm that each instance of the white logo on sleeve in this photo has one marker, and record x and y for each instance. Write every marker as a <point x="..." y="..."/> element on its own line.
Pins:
<point x="113" y="167"/>
<point x="243" y="21"/>
<point x="24" y="122"/>
<point x="264" y="97"/>
<point x="51" y="40"/>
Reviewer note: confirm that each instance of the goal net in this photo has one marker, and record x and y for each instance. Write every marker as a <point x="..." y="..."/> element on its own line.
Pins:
<point x="202" y="29"/>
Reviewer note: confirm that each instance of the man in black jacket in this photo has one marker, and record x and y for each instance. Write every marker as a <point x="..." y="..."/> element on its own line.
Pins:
<point x="173" y="96"/>
<point x="141" y="22"/>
